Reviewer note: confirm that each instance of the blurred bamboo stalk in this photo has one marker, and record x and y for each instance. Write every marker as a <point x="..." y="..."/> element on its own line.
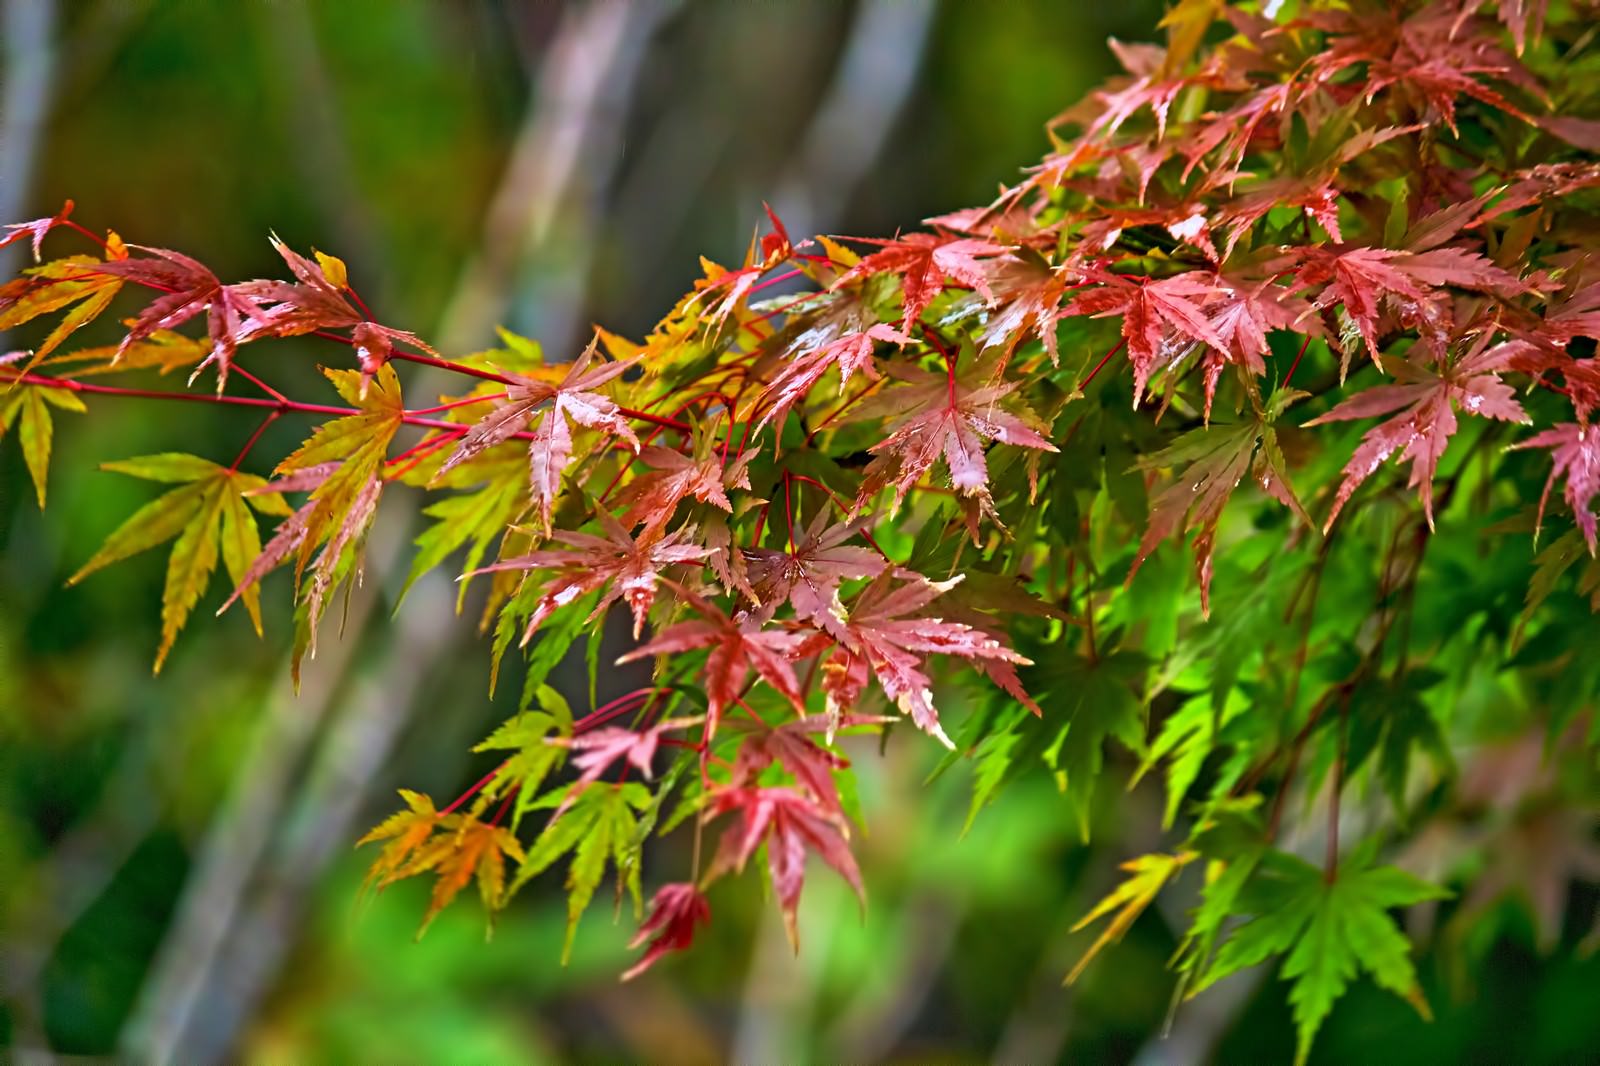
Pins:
<point x="560" y="165"/>
<point x="28" y="52"/>
<point x="864" y="102"/>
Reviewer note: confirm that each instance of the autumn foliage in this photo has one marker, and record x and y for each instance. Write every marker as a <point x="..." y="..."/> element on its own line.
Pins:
<point x="1312" y="287"/>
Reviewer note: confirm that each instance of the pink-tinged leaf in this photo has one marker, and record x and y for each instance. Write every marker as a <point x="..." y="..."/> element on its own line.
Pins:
<point x="653" y="497"/>
<point x="1244" y="317"/>
<point x="923" y="261"/>
<point x="675" y="912"/>
<point x="1361" y="278"/>
<point x="233" y="313"/>
<point x="1161" y="320"/>
<point x="550" y="447"/>
<point x="738" y="645"/>
<point x="790" y="746"/>
<point x="848" y="354"/>
<point x="631" y="568"/>
<point x="885" y="635"/>
<point x="808" y="575"/>
<point x="1025" y="301"/>
<point x="1575" y="455"/>
<point x="598" y="749"/>
<point x="790" y="824"/>
<point x="1426" y="419"/>
<point x="374" y="346"/>
<point x="36" y="229"/>
<point x="952" y="419"/>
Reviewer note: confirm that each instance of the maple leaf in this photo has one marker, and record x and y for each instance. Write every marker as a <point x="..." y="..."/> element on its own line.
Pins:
<point x="1524" y="18"/>
<point x="630" y="567"/>
<point x="1575" y="455"/>
<point x="952" y="416"/>
<point x="232" y="313"/>
<point x="788" y="745"/>
<point x="1025" y="299"/>
<point x="341" y="465"/>
<point x="922" y="261"/>
<point x="675" y="911"/>
<point x="808" y="574"/>
<point x="463" y="849"/>
<point x="847" y="354"/>
<point x="1147" y="876"/>
<point x="599" y="827"/>
<point x="1094" y="699"/>
<point x="1330" y="928"/>
<point x="598" y="749"/>
<point x="1215" y="459"/>
<point x="405" y="831"/>
<point x="1161" y="319"/>
<point x="58" y="284"/>
<point x="317" y="300"/>
<point x="653" y="497"/>
<point x="573" y="399"/>
<point x="1427" y="403"/>
<point x="790" y="824"/>
<point x="738" y="645"/>
<point x="1246" y="313"/>
<point x="28" y="408"/>
<point x="36" y="229"/>
<point x="314" y="301"/>
<point x="208" y="516"/>
<point x="530" y="737"/>
<point x="1361" y="278"/>
<point x="879" y="640"/>
<point x="163" y="352"/>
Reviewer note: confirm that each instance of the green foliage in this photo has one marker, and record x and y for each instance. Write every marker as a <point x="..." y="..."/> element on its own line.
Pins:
<point x="946" y="476"/>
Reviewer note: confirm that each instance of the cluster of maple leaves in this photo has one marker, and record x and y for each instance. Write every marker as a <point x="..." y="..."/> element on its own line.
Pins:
<point x="814" y="496"/>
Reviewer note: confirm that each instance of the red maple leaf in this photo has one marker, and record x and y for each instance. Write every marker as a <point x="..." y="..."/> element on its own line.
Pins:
<point x="653" y="497"/>
<point x="923" y="261"/>
<point x="849" y="353"/>
<point x="573" y="399"/>
<point x="788" y="745"/>
<point x="1161" y="319"/>
<point x="1025" y="300"/>
<point x="36" y="229"/>
<point x="1575" y="455"/>
<point x="952" y="418"/>
<point x="738" y="645"/>
<point x="790" y="824"/>
<point x="599" y="748"/>
<point x="808" y="574"/>
<point x="233" y="314"/>
<point x="313" y="301"/>
<point x="630" y="567"/>
<point x="1361" y="278"/>
<point x="1242" y="320"/>
<point x="675" y="911"/>
<point x="879" y="640"/>
<point x="1427" y="403"/>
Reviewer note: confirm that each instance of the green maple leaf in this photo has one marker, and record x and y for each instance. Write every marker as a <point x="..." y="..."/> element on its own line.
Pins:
<point x="1328" y="929"/>
<point x="206" y="517"/>
<point x="528" y="736"/>
<point x="28" y="407"/>
<point x="598" y="828"/>
<point x="1097" y="701"/>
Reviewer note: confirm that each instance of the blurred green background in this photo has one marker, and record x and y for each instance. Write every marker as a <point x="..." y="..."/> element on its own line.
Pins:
<point x="176" y="875"/>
